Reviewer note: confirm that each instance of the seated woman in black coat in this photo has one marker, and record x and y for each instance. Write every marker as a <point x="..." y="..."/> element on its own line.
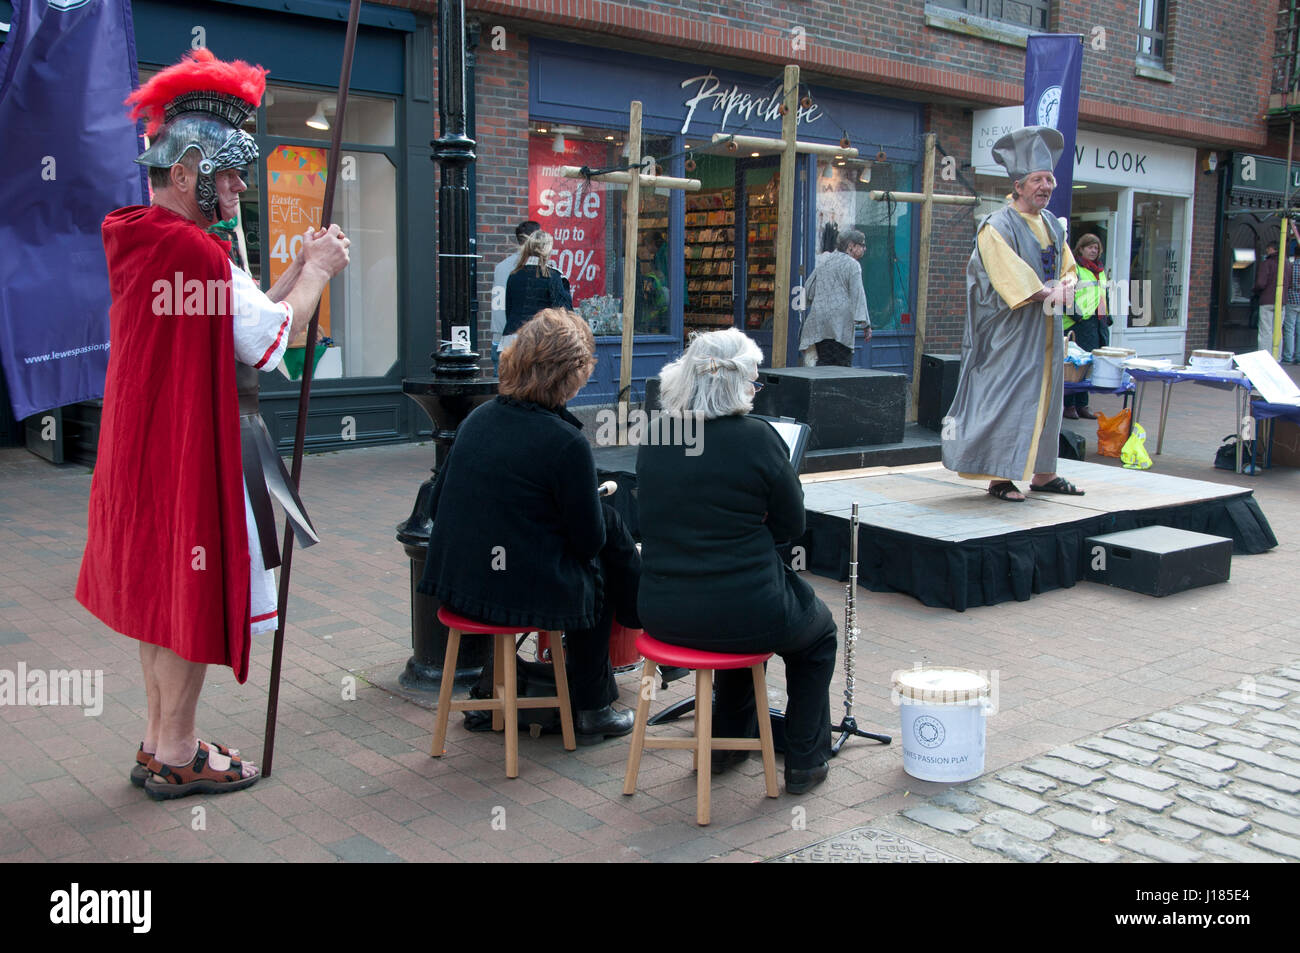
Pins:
<point x="519" y="535"/>
<point x="711" y="515"/>
<point x="533" y="286"/>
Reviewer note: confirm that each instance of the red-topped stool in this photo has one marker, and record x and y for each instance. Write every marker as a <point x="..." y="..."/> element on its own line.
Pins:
<point x="505" y="702"/>
<point x="703" y="744"/>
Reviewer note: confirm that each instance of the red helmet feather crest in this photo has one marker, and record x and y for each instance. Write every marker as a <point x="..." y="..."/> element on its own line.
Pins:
<point x="199" y="70"/>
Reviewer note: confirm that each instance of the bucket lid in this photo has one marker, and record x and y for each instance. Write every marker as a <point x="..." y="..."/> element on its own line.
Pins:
<point x="941" y="685"/>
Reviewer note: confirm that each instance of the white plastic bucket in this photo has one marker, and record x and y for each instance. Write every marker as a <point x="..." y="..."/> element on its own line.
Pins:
<point x="942" y="712"/>
<point x="1107" y="365"/>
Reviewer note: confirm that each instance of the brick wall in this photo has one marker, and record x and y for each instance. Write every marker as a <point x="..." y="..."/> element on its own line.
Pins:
<point x="951" y="233"/>
<point x="885" y="45"/>
<point x="1204" y="218"/>
<point x="502" y="168"/>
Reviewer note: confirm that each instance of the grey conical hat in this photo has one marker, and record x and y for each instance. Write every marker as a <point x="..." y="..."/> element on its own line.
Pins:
<point x="1029" y="149"/>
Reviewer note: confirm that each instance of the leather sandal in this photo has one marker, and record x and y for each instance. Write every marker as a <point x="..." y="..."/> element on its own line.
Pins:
<point x="141" y="770"/>
<point x="1085" y="413"/>
<point x="1058" y="485"/>
<point x="168" y="781"/>
<point x="1003" y="490"/>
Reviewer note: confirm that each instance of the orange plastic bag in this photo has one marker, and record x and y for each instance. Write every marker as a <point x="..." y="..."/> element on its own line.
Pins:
<point x="1112" y="432"/>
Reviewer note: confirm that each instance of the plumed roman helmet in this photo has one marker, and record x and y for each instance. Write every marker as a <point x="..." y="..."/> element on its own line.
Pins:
<point x="200" y="103"/>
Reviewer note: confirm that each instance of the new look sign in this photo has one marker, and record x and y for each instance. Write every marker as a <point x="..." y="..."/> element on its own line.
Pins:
<point x="1099" y="158"/>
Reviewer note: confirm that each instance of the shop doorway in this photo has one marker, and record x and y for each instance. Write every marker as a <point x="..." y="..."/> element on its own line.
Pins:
<point x="1242" y="247"/>
<point x="730" y="246"/>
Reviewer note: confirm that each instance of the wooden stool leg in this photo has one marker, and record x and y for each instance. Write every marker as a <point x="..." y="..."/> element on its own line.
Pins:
<point x="765" y="731"/>
<point x="703" y="743"/>
<point x="499" y="679"/>
<point x="444" y="693"/>
<point x="506" y="647"/>
<point x="562" y="691"/>
<point x="644" y="692"/>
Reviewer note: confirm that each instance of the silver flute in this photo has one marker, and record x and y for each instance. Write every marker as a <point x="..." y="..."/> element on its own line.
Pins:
<point x="851" y="630"/>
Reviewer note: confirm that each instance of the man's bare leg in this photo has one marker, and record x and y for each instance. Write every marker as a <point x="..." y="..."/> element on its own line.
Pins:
<point x="153" y="695"/>
<point x="173" y="685"/>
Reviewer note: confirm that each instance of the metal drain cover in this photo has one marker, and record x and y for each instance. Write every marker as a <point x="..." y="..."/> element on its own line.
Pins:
<point x="867" y="845"/>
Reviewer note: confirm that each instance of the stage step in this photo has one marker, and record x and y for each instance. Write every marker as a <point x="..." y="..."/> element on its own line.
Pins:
<point x="1157" y="560"/>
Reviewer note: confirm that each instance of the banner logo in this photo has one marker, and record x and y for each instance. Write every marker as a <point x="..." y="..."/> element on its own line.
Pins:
<point x="1049" y="106"/>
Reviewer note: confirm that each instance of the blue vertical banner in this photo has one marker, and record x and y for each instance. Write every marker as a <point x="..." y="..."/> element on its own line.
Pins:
<point x="1053" y="72"/>
<point x="67" y="161"/>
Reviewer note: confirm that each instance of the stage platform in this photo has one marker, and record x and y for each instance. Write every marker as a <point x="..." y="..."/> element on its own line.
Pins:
<point x="926" y="532"/>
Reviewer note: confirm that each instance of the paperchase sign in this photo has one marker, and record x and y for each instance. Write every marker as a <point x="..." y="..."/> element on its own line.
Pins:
<point x="1098" y="158"/>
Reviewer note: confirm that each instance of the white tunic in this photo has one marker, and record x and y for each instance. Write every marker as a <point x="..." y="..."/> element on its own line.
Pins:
<point x="261" y="337"/>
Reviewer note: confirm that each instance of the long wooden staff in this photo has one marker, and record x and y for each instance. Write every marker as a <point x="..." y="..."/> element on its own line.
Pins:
<point x="304" y="395"/>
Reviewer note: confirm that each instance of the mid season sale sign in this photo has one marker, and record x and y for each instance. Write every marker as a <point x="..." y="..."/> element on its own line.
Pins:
<point x="573" y="210"/>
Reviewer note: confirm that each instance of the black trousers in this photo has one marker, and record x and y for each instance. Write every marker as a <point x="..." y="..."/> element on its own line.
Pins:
<point x="833" y="353"/>
<point x="591" y="677"/>
<point x="809" y="655"/>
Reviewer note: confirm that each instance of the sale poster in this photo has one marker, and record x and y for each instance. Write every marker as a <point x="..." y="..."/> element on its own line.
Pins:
<point x="572" y="210"/>
<point x="295" y="193"/>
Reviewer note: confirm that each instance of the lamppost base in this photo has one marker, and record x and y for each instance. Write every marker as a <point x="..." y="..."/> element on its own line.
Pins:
<point x="417" y="677"/>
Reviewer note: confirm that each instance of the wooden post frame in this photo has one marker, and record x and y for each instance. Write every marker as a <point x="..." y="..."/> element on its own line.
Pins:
<point x="785" y="218"/>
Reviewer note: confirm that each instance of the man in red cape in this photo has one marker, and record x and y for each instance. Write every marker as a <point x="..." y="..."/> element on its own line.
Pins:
<point x="176" y="550"/>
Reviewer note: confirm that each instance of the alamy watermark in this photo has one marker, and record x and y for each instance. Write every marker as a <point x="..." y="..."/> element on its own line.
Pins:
<point x="1133" y="297"/>
<point x="654" y="428"/>
<point x="98" y="907"/>
<point x="77" y="688"/>
<point x="193" y="297"/>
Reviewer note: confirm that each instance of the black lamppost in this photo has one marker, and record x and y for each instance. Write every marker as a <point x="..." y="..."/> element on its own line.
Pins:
<point x="456" y="387"/>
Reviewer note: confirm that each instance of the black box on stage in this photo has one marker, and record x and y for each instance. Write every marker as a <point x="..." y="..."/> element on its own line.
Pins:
<point x="1071" y="446"/>
<point x="1157" y="560"/>
<point x="844" y="406"/>
<point x="939" y="373"/>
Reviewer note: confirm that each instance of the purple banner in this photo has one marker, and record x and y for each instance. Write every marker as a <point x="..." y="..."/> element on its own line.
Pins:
<point x="67" y="161"/>
<point x="1053" y="69"/>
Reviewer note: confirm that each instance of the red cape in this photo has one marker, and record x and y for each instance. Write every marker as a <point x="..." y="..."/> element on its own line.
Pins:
<point x="166" y="540"/>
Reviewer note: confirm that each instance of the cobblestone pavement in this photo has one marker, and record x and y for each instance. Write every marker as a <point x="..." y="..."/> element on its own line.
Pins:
<point x="1213" y="779"/>
<point x="354" y="781"/>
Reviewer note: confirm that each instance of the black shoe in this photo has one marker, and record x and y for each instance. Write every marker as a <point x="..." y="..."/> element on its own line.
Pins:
<point x="724" y="761"/>
<point x="593" y="727"/>
<point x="671" y="673"/>
<point x="478" y="721"/>
<point x="799" y="780"/>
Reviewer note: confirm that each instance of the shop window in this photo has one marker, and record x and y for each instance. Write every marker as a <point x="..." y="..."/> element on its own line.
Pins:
<point x="843" y="201"/>
<point x="1031" y="14"/>
<point x="359" y="309"/>
<point x="730" y="246"/>
<point x="1157" y="251"/>
<point x="309" y="114"/>
<point x="1151" y="32"/>
<point x="587" y="221"/>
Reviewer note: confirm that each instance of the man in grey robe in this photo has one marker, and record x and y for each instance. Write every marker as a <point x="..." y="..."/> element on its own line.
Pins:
<point x="1005" y="420"/>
